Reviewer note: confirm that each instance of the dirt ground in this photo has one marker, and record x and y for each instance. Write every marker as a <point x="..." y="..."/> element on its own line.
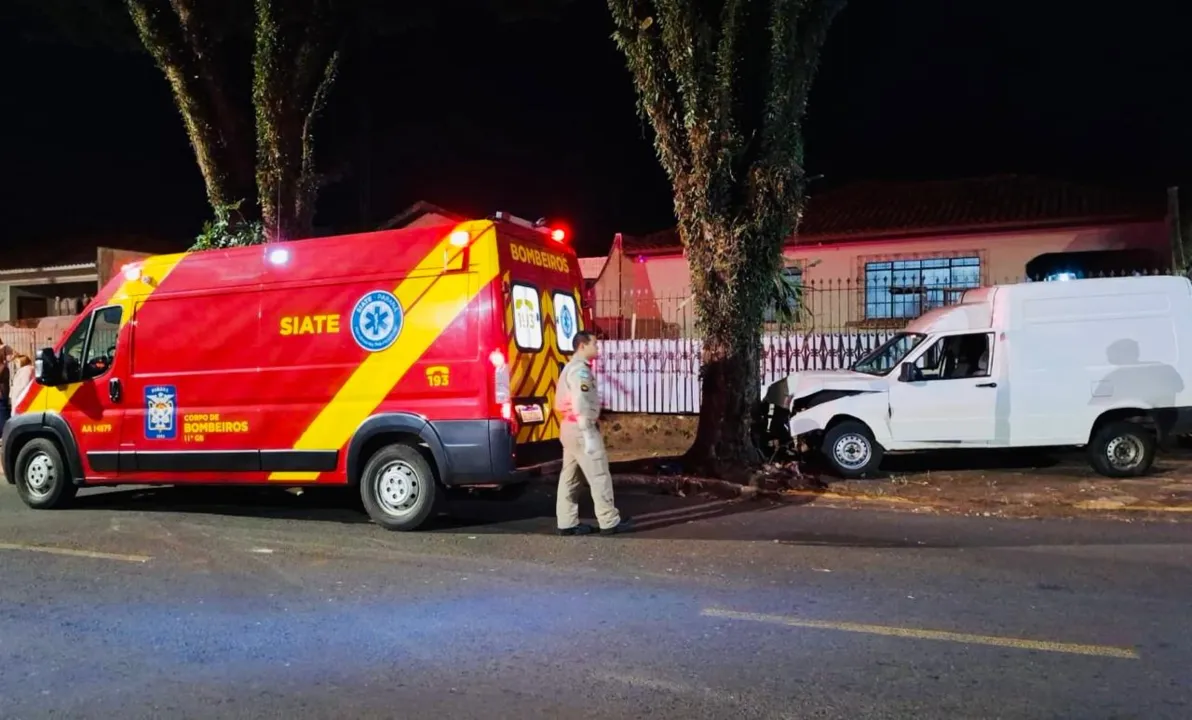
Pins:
<point x="1003" y="484"/>
<point x="1022" y="485"/>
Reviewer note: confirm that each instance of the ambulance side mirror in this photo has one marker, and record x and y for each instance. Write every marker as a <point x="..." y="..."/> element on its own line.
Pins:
<point x="46" y="368"/>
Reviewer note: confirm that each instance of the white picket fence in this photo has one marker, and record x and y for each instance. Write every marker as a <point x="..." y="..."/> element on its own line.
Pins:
<point x="662" y="376"/>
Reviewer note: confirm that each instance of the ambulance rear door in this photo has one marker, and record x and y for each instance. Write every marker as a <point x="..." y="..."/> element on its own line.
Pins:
<point x="542" y="317"/>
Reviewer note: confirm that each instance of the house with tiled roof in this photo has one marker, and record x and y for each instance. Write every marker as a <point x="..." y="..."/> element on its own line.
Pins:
<point x="878" y="254"/>
<point x="56" y="279"/>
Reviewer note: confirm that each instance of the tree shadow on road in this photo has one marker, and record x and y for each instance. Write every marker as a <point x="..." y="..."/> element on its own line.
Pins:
<point x="532" y="513"/>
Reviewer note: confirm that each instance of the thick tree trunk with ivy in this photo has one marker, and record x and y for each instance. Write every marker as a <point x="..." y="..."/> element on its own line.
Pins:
<point x="185" y="39"/>
<point x="725" y="86"/>
<point x="295" y="64"/>
<point x="294" y="61"/>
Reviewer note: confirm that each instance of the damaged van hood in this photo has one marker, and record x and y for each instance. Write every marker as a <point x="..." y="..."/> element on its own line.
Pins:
<point x="801" y="384"/>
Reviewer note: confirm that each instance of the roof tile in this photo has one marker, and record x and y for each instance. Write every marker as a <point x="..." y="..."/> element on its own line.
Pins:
<point x="876" y="209"/>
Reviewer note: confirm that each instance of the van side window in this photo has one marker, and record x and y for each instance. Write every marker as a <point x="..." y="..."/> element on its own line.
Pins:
<point x="101" y="343"/>
<point x="91" y="347"/>
<point x="527" y="318"/>
<point x="72" y="352"/>
<point x="956" y="357"/>
<point x="566" y="321"/>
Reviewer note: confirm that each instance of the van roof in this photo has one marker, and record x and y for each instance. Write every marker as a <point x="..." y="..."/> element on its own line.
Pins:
<point x="1093" y="286"/>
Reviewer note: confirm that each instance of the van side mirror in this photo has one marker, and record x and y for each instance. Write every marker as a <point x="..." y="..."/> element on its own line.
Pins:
<point x="909" y="372"/>
<point x="46" y="368"/>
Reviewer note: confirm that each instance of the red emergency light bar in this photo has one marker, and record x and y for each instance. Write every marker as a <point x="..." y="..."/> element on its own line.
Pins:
<point x="558" y="234"/>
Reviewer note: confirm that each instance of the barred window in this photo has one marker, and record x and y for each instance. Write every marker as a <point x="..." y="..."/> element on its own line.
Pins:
<point x="909" y="288"/>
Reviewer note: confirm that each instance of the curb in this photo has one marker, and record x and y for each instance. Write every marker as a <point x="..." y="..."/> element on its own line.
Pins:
<point x="683" y="486"/>
<point x="1084" y="507"/>
<point x="860" y="497"/>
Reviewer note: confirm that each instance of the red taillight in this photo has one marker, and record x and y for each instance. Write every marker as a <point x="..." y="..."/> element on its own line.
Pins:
<point x="502" y="394"/>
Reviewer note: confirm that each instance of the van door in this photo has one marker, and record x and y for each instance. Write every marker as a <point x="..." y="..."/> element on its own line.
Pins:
<point x="954" y="398"/>
<point x="96" y="358"/>
<point x="193" y="405"/>
<point x="543" y="315"/>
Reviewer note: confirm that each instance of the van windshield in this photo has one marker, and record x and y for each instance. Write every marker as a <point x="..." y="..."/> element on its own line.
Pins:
<point x="889" y="354"/>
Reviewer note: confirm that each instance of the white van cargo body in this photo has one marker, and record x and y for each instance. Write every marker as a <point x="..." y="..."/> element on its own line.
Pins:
<point x="1099" y="363"/>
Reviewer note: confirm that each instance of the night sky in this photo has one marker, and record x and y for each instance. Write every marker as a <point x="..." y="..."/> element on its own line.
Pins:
<point x="539" y="118"/>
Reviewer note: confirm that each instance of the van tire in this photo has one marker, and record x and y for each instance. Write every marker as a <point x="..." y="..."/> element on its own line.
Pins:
<point x="398" y="488"/>
<point x="1122" y="449"/>
<point x="851" y="439"/>
<point x="42" y="478"/>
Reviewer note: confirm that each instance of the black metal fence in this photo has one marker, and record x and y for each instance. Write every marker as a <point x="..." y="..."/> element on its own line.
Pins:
<point x="650" y="354"/>
<point x="883" y="302"/>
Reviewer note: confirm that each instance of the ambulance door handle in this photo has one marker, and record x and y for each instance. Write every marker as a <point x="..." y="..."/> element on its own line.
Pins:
<point x="115" y="391"/>
<point x="988" y="385"/>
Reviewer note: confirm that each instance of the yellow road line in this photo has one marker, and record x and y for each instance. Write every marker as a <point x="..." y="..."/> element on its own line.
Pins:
<point x="75" y="553"/>
<point x="1167" y="508"/>
<point x="918" y="634"/>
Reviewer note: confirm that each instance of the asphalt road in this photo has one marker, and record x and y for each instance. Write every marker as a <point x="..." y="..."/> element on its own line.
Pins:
<point x="224" y="604"/>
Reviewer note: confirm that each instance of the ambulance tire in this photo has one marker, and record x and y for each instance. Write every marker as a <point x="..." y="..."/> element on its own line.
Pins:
<point x="398" y="488"/>
<point x="42" y="477"/>
<point x="850" y="450"/>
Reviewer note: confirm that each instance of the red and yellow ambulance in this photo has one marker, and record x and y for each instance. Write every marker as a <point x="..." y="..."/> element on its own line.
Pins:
<point x="404" y="362"/>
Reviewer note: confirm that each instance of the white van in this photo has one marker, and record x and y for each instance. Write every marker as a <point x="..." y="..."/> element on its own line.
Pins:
<point x="1098" y="363"/>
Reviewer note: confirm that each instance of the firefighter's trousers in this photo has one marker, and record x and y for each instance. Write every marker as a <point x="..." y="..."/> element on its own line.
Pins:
<point x="595" y="470"/>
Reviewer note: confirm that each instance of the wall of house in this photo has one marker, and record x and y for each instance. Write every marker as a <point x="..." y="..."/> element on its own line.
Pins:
<point x="656" y="290"/>
<point x="650" y="299"/>
<point x="10" y="301"/>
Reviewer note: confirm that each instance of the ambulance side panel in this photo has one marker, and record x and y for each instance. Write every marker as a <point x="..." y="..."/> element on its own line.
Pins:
<point x="448" y="380"/>
<point x="291" y="363"/>
<point x="190" y="393"/>
<point x="402" y="363"/>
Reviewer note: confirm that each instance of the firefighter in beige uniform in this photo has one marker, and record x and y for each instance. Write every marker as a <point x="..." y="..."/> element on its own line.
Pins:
<point x="578" y="402"/>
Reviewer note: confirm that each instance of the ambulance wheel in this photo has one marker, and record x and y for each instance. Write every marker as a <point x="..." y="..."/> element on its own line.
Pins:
<point x="1122" y="449"/>
<point x="850" y="450"/>
<point x="398" y="488"/>
<point x="43" y="480"/>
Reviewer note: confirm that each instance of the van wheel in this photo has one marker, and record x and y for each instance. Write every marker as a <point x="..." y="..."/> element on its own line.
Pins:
<point x="1122" y="449"/>
<point x="43" y="480"/>
<point x="398" y="488"/>
<point x="851" y="450"/>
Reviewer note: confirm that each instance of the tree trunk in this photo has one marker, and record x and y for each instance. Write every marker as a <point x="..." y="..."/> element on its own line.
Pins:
<point x="729" y="388"/>
<point x="729" y="304"/>
<point x="176" y="37"/>
<point x="294" y="68"/>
